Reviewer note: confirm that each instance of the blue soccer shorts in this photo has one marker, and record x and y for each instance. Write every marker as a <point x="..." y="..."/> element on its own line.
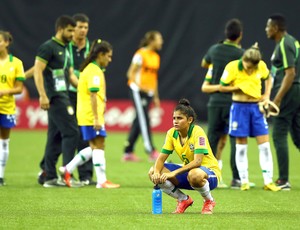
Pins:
<point x="183" y="181"/>
<point x="7" y="120"/>
<point x="246" y="120"/>
<point x="89" y="133"/>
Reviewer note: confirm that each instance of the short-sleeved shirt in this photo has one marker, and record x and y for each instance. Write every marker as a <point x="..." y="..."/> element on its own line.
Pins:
<point x="197" y="143"/>
<point x="10" y="72"/>
<point x="235" y="75"/>
<point x="149" y="61"/>
<point x="285" y="55"/>
<point x="56" y="75"/>
<point x="219" y="55"/>
<point x="77" y="57"/>
<point x="91" y="80"/>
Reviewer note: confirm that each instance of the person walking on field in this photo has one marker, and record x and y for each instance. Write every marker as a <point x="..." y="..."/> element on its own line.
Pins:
<point x="12" y="77"/>
<point x="286" y="88"/>
<point x="143" y="83"/>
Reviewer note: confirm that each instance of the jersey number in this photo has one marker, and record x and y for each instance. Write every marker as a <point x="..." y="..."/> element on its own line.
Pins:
<point x="3" y="78"/>
<point x="185" y="160"/>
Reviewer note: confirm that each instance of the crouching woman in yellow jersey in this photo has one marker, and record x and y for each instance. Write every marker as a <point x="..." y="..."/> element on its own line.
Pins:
<point x="200" y="169"/>
<point x="243" y="78"/>
<point x="11" y="83"/>
<point x="91" y="102"/>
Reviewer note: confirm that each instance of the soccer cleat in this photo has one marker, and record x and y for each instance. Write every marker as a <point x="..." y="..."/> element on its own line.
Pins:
<point x="131" y="157"/>
<point x="153" y="156"/>
<point x="2" y="183"/>
<point x="65" y="175"/>
<point x="283" y="184"/>
<point x="53" y="183"/>
<point x="208" y="207"/>
<point x="183" y="205"/>
<point x="245" y="186"/>
<point x="88" y="181"/>
<point x="42" y="177"/>
<point x="107" y="184"/>
<point x="272" y="187"/>
<point x="236" y="184"/>
<point x="222" y="184"/>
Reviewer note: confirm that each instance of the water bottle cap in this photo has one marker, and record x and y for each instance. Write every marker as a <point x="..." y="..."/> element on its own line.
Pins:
<point x="156" y="187"/>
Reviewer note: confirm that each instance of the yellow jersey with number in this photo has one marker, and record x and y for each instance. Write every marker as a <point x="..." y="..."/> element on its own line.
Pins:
<point x="196" y="143"/>
<point x="10" y="72"/>
<point x="91" y="80"/>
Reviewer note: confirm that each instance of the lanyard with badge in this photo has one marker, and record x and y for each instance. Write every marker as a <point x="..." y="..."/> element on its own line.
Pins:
<point x="59" y="75"/>
<point x="77" y="72"/>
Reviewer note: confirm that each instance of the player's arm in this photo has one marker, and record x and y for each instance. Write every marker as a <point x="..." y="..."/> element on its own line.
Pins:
<point x="268" y="87"/>
<point x="29" y="73"/>
<point x="17" y="89"/>
<point x="196" y="163"/>
<point x="132" y="71"/>
<point x="94" y="103"/>
<point x="286" y="84"/>
<point x="225" y="88"/>
<point x="39" y="67"/>
<point x="158" y="167"/>
<point x="208" y="88"/>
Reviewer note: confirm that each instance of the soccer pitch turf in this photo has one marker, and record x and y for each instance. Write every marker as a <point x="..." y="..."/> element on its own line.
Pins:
<point x="27" y="205"/>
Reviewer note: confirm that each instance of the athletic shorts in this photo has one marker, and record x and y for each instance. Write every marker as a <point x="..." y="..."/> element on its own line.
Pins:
<point x="246" y="120"/>
<point x="89" y="133"/>
<point x="7" y="120"/>
<point x="183" y="181"/>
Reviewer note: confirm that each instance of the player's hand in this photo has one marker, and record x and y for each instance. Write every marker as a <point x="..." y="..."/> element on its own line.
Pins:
<point x="97" y="125"/>
<point x="44" y="102"/>
<point x="166" y="176"/>
<point x="155" y="178"/>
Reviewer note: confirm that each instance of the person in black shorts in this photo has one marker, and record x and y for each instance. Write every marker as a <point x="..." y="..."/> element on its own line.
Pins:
<point x="216" y="58"/>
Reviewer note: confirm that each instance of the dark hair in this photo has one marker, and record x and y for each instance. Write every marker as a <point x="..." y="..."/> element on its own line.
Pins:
<point x="148" y="37"/>
<point x="98" y="46"/>
<point x="233" y="29"/>
<point x="7" y="37"/>
<point x="185" y="108"/>
<point x="252" y="55"/>
<point x="279" y="20"/>
<point x="81" y="18"/>
<point x="63" y="22"/>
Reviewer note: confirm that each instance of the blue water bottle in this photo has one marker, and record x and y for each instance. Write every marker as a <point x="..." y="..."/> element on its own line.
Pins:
<point x="156" y="200"/>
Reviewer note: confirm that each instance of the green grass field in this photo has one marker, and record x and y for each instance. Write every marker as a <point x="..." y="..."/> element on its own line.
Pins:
<point x="27" y="205"/>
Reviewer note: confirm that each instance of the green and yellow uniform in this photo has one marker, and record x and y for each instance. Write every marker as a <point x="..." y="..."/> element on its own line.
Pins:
<point x="91" y="80"/>
<point x="10" y="72"/>
<point x="197" y="143"/>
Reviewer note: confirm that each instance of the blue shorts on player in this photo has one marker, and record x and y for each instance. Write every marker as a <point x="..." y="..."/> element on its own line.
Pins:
<point x="183" y="181"/>
<point x="7" y="120"/>
<point x="89" y="133"/>
<point x="246" y="120"/>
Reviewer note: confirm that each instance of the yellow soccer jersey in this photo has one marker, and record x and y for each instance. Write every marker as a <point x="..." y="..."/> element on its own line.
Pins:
<point x="91" y="79"/>
<point x="10" y="72"/>
<point x="197" y="143"/>
<point x="235" y="75"/>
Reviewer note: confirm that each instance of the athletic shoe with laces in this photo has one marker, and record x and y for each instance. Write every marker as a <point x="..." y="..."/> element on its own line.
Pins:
<point x="183" y="205"/>
<point x="236" y="184"/>
<point x="2" y="183"/>
<point x="130" y="157"/>
<point x="283" y="184"/>
<point x="65" y="175"/>
<point x="272" y="187"/>
<point x="53" y="183"/>
<point x="208" y="207"/>
<point x="221" y="184"/>
<point x="245" y="186"/>
<point x="107" y="184"/>
<point x="153" y="156"/>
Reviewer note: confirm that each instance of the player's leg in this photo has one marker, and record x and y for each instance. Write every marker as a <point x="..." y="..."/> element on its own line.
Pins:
<point x="204" y="180"/>
<point x="4" y="149"/>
